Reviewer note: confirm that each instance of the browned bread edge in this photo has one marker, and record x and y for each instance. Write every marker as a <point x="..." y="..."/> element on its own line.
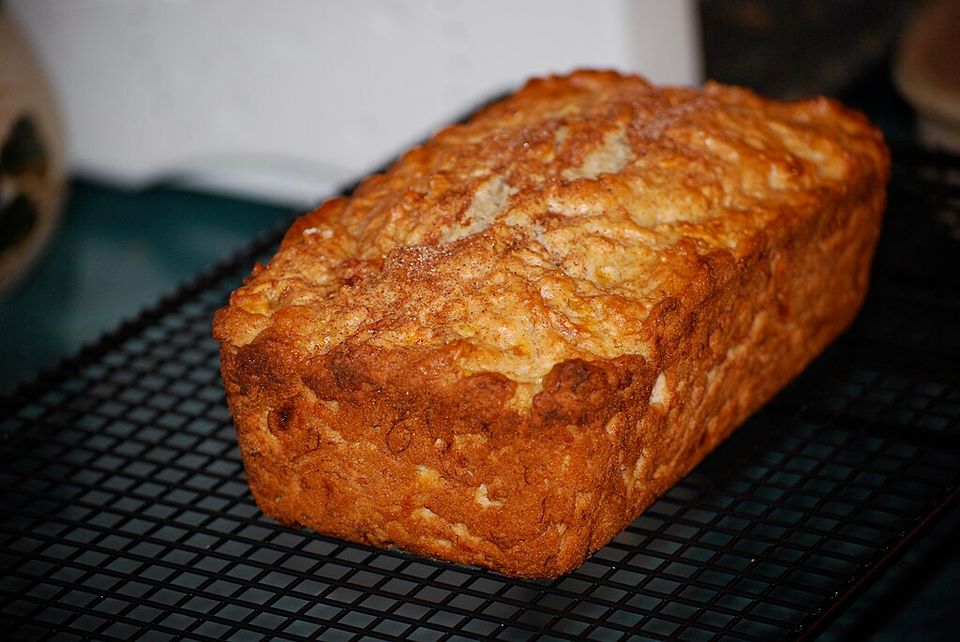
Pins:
<point x="446" y="466"/>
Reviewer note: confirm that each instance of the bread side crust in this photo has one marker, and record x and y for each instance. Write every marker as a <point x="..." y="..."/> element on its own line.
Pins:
<point x="408" y="443"/>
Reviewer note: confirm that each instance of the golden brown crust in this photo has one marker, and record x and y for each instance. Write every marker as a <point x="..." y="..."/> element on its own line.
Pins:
<point x="503" y="349"/>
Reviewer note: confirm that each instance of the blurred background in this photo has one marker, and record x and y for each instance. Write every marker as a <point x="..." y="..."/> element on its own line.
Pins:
<point x="143" y="140"/>
<point x="181" y="129"/>
<point x="187" y="127"/>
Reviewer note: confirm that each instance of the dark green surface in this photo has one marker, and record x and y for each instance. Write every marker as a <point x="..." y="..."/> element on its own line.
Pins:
<point x="115" y="253"/>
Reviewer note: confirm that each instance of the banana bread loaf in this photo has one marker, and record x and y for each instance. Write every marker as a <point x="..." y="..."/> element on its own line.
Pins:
<point x="503" y="349"/>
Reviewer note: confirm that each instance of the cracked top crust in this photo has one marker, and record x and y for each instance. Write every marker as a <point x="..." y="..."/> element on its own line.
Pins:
<point x="550" y="226"/>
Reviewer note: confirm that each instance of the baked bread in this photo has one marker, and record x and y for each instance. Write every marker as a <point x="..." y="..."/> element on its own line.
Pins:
<point x="503" y="349"/>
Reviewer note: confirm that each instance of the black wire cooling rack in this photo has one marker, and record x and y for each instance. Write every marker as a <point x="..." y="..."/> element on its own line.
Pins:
<point x="125" y="514"/>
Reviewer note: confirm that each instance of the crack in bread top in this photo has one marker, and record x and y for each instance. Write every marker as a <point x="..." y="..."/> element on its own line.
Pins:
<point x="553" y="224"/>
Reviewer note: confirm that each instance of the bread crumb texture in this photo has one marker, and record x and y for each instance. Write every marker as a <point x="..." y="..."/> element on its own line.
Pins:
<point x="503" y="349"/>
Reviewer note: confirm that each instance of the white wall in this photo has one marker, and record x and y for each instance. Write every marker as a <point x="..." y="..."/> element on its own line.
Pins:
<point x="288" y="99"/>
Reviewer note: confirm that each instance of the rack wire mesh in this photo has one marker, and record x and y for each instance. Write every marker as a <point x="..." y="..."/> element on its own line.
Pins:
<point x="125" y="513"/>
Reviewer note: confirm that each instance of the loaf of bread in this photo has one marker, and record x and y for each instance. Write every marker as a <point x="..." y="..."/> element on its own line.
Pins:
<point x="503" y="349"/>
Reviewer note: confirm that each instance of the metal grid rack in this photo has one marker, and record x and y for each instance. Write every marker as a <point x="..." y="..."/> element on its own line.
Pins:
<point x="124" y="513"/>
